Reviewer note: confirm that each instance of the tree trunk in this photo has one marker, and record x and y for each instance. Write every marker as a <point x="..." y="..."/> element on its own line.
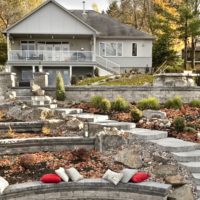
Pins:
<point x="193" y="53"/>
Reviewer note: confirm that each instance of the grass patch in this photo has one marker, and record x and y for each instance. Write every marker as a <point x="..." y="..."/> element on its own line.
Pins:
<point x="89" y="81"/>
<point x="137" y="80"/>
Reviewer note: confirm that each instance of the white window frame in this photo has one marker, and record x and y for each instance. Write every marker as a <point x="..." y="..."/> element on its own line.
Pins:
<point x="33" y="42"/>
<point x="136" y="49"/>
<point x="105" y="44"/>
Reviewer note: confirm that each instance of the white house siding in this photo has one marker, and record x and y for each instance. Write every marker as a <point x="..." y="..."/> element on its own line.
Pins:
<point x="144" y="53"/>
<point x="51" y="19"/>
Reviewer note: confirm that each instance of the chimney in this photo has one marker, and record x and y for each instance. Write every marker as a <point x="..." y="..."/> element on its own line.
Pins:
<point x="84" y="8"/>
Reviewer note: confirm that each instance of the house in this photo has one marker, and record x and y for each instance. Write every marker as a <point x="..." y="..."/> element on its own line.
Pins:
<point x="74" y="42"/>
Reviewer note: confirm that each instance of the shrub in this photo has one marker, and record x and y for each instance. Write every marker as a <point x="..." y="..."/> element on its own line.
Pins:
<point x="136" y="114"/>
<point x="46" y="131"/>
<point x="60" y="87"/>
<point x="190" y="129"/>
<point x="105" y="105"/>
<point x="96" y="71"/>
<point x="120" y="104"/>
<point x="27" y="161"/>
<point x="175" y="103"/>
<point x="10" y="133"/>
<point x="74" y="80"/>
<point x="179" y="124"/>
<point x="195" y="103"/>
<point x="149" y="103"/>
<point x="96" y="101"/>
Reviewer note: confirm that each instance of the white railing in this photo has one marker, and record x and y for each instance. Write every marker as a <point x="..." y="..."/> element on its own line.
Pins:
<point x="36" y="55"/>
<point x="108" y="64"/>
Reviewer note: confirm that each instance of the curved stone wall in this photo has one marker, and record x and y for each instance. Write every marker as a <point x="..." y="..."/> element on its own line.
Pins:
<point x="32" y="145"/>
<point x="87" y="189"/>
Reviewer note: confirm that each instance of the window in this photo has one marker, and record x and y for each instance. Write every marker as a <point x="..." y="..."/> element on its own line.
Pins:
<point x="110" y="49"/>
<point x="134" y="49"/>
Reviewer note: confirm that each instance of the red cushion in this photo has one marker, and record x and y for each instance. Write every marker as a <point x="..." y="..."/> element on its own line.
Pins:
<point x="140" y="177"/>
<point x="50" y="178"/>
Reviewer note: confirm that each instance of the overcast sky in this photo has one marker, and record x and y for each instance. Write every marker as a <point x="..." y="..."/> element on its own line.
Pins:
<point x="77" y="4"/>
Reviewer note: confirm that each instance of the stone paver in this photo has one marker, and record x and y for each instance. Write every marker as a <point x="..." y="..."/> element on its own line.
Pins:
<point x="190" y="156"/>
<point x="89" y="117"/>
<point x="194" y="167"/>
<point x="175" y="145"/>
<point x="146" y="134"/>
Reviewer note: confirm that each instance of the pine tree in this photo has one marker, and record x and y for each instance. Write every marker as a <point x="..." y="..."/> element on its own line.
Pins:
<point x="60" y="87"/>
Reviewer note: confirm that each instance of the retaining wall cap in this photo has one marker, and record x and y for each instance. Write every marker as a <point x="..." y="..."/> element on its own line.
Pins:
<point x="90" y="184"/>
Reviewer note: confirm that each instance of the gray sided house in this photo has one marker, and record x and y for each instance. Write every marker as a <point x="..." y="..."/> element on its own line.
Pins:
<point x="74" y="42"/>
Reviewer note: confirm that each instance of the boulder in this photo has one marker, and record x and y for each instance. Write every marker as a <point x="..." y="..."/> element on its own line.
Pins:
<point x="182" y="193"/>
<point x="75" y="124"/>
<point x="130" y="158"/>
<point x="175" y="181"/>
<point x="36" y="89"/>
<point x="110" y="138"/>
<point x="149" y="114"/>
<point x="166" y="170"/>
<point x="11" y="95"/>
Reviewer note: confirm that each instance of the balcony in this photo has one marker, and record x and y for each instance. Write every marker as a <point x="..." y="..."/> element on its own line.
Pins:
<point x="50" y="56"/>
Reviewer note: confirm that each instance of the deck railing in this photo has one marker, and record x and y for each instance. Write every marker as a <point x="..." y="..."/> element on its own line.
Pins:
<point x="61" y="56"/>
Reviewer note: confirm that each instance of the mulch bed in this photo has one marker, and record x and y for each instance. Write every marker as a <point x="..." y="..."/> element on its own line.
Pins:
<point x="89" y="163"/>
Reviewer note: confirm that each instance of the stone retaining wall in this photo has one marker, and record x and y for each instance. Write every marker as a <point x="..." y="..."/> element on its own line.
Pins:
<point x="87" y="189"/>
<point x="7" y="81"/>
<point x="32" y="145"/>
<point x="130" y="93"/>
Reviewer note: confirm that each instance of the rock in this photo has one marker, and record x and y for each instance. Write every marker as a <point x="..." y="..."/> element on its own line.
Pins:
<point x="36" y="89"/>
<point x="166" y="170"/>
<point x="75" y="124"/>
<point x="149" y="114"/>
<point x="130" y="158"/>
<point x="182" y="193"/>
<point x="11" y="95"/>
<point x="160" y="159"/>
<point x="175" y="181"/>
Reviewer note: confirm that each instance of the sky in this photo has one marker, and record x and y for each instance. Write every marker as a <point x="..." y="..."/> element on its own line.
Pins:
<point x="78" y="4"/>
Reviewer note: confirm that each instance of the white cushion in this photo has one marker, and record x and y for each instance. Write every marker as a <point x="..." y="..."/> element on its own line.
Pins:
<point x="113" y="177"/>
<point x="3" y="184"/>
<point x="128" y="174"/>
<point x="73" y="174"/>
<point x="61" y="172"/>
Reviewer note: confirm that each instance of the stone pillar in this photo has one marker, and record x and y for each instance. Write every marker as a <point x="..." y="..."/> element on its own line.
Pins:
<point x="70" y="73"/>
<point x="41" y="79"/>
<point x="7" y="80"/>
<point x="94" y="47"/>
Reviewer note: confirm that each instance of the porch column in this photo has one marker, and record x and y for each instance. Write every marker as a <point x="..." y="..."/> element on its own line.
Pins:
<point x="8" y="45"/>
<point x="70" y="73"/>
<point x="40" y="68"/>
<point x="33" y="68"/>
<point x="94" y="47"/>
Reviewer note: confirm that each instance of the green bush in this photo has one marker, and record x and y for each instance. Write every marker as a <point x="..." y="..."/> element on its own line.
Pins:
<point x="105" y="105"/>
<point x="174" y="102"/>
<point x="189" y="129"/>
<point x="195" y="103"/>
<point x="136" y="114"/>
<point x="60" y="87"/>
<point x="149" y="103"/>
<point x="96" y="101"/>
<point x="120" y="104"/>
<point x="179" y="124"/>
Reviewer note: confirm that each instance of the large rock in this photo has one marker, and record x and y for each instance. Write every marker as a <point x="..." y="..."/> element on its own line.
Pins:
<point x="11" y="95"/>
<point x="149" y="114"/>
<point x="166" y="170"/>
<point x="182" y="193"/>
<point x="29" y="114"/>
<point x="110" y="139"/>
<point x="130" y="158"/>
<point x="175" y="181"/>
<point x="36" y="89"/>
<point x="75" y="124"/>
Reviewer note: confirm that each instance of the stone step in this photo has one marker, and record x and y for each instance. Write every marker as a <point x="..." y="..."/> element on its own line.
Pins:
<point x="193" y="167"/>
<point x="95" y="127"/>
<point x="198" y="191"/>
<point x="196" y="177"/>
<point x="23" y="98"/>
<point x="191" y="156"/>
<point x="89" y="117"/>
<point x="146" y="134"/>
<point x="23" y="91"/>
<point x="175" y="145"/>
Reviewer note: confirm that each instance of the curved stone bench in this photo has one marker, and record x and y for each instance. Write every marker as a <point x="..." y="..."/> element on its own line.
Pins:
<point x="87" y="189"/>
<point x="32" y="145"/>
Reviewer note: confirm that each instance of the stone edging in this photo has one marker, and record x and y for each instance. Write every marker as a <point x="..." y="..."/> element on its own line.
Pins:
<point x="87" y="189"/>
<point x="30" y="145"/>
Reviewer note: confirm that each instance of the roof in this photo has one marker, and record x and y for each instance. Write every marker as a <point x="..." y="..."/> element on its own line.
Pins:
<point x="102" y="24"/>
<point x="110" y="27"/>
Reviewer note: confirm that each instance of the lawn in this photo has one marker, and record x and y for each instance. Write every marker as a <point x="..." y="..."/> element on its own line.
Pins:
<point x="92" y="80"/>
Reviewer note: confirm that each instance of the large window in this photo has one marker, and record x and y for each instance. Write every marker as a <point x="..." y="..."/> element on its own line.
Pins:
<point x="110" y="49"/>
<point x="134" y="49"/>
